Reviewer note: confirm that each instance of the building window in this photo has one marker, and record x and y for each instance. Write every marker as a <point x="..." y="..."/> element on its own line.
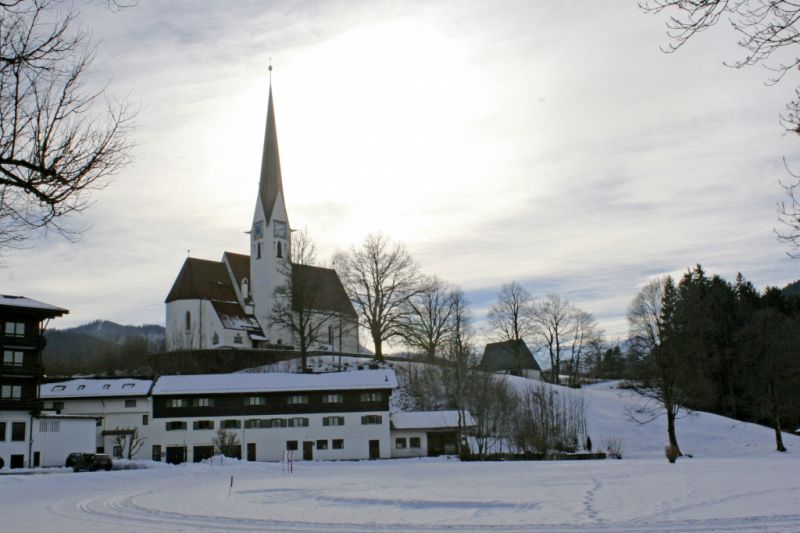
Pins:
<point x="400" y="443"/>
<point x="81" y="387"/>
<point x="371" y="397"/>
<point x="156" y="452"/>
<point x="291" y="445"/>
<point x="368" y="420"/>
<point x="57" y="388"/>
<point x="333" y="398"/>
<point x="297" y="399"/>
<point x="176" y="425"/>
<point x="15" y="329"/>
<point x="280" y="249"/>
<point x="49" y="426"/>
<point x="237" y="339"/>
<point x="255" y="400"/>
<point x="215" y="338"/>
<point x="273" y="423"/>
<point x="203" y="402"/>
<point x="11" y="392"/>
<point x="178" y="402"/>
<point x="203" y="424"/>
<point x="145" y="420"/>
<point x="58" y="406"/>
<point x="252" y="423"/>
<point x="414" y="443"/>
<point x="98" y="421"/>
<point x="107" y="386"/>
<point x="258" y="250"/>
<point x="12" y="358"/>
<point x="117" y="452"/>
<point x="298" y="422"/>
<point x="188" y="321"/>
<point x="127" y="386"/>
<point x="130" y="403"/>
<point x="337" y="444"/>
<point x="2" y="431"/>
<point x="230" y="424"/>
<point x="322" y="444"/>
<point x="333" y="421"/>
<point x="17" y="431"/>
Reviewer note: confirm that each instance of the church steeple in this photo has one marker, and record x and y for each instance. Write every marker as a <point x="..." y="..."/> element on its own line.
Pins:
<point x="271" y="183"/>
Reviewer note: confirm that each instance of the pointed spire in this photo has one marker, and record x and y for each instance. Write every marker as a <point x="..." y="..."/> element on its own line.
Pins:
<point x="271" y="182"/>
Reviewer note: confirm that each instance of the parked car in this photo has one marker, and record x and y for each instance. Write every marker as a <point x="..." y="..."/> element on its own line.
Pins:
<point x="71" y="458"/>
<point x="90" y="461"/>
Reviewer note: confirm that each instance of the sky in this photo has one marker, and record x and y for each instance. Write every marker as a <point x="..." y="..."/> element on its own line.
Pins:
<point x="547" y="142"/>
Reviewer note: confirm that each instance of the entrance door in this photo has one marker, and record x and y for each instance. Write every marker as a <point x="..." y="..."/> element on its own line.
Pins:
<point x="200" y="453"/>
<point x="251" y="451"/>
<point x="308" y="450"/>
<point x="176" y="454"/>
<point x="374" y="449"/>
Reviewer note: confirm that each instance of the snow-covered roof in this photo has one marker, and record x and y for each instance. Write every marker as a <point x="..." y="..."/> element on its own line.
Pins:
<point x="428" y="420"/>
<point x="93" y="388"/>
<point x="21" y="301"/>
<point x="274" y="382"/>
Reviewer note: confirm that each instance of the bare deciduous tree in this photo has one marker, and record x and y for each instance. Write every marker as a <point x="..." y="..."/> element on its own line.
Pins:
<point x="379" y="277"/>
<point x="297" y="304"/>
<point x="55" y="147"/>
<point x="226" y="442"/>
<point x="554" y="326"/>
<point x="460" y="362"/>
<point x="129" y="442"/>
<point x="428" y="322"/>
<point x="586" y="339"/>
<point x="511" y="318"/>
<point x="659" y="368"/>
<point x="769" y="33"/>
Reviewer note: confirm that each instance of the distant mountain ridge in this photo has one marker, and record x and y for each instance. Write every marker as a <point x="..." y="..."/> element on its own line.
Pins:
<point x="83" y="347"/>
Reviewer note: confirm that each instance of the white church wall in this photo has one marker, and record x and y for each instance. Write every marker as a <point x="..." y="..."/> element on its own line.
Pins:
<point x="204" y="323"/>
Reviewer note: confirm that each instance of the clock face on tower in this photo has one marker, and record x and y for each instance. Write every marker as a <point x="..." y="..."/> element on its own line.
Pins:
<point x="258" y="230"/>
<point x="279" y="230"/>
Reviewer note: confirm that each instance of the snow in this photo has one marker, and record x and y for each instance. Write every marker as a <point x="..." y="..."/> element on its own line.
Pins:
<point x="713" y="494"/>
<point x="274" y="382"/>
<point x="21" y="301"/>
<point x="93" y="388"/>
<point x="428" y="420"/>
<point x="734" y="482"/>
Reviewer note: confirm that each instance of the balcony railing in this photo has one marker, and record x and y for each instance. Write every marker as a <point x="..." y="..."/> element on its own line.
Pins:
<point x="24" y="404"/>
<point x="21" y="370"/>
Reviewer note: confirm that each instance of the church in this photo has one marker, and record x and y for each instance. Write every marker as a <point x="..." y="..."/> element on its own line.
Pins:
<point x="262" y="300"/>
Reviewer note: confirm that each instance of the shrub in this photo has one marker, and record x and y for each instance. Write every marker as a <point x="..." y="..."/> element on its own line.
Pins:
<point x="614" y="446"/>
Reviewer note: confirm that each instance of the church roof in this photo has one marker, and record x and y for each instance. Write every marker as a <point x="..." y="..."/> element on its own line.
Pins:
<point x="200" y="279"/>
<point x="271" y="182"/>
<point x="240" y="265"/>
<point x="329" y="293"/>
<point x="233" y="316"/>
<point x="502" y="356"/>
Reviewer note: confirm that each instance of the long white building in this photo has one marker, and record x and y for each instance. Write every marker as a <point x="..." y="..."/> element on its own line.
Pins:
<point x="341" y="415"/>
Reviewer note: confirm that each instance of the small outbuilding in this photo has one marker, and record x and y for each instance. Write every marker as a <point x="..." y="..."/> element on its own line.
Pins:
<point x="510" y="357"/>
<point x="427" y="433"/>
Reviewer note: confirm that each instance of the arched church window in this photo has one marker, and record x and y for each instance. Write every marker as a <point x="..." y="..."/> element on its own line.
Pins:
<point x="330" y="335"/>
<point x="258" y="250"/>
<point x="280" y="249"/>
<point x="188" y="320"/>
<point x="215" y="338"/>
<point x="245" y="289"/>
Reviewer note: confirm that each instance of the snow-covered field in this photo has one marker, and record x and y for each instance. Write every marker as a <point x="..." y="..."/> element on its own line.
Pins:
<point x="734" y="482"/>
<point x="701" y="494"/>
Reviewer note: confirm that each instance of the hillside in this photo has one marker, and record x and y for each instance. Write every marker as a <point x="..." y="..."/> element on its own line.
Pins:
<point x="699" y="434"/>
<point x="792" y="289"/>
<point x="98" y="346"/>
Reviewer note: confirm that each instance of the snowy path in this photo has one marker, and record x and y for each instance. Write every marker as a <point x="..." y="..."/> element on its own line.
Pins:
<point x="742" y="494"/>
